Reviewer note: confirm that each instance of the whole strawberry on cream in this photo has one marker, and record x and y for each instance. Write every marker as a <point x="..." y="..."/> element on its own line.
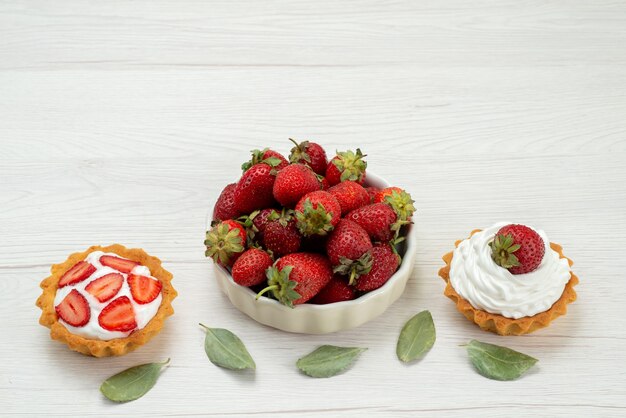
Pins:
<point x="509" y="278"/>
<point x="106" y="300"/>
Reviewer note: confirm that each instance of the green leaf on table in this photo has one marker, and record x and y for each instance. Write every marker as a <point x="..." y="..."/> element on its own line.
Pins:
<point x="497" y="362"/>
<point x="226" y="350"/>
<point x="132" y="383"/>
<point x="328" y="360"/>
<point x="417" y="337"/>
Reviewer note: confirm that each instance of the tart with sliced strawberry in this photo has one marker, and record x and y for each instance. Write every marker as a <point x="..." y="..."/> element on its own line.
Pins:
<point x="107" y="300"/>
<point x="509" y="279"/>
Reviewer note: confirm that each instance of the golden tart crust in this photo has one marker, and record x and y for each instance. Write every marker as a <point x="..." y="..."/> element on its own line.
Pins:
<point x="501" y="324"/>
<point x="118" y="346"/>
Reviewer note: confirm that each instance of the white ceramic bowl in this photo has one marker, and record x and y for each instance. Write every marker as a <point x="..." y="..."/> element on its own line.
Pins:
<point x="322" y="319"/>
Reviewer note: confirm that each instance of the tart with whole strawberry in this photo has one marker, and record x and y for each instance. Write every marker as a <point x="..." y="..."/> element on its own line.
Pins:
<point x="509" y="279"/>
<point x="106" y="301"/>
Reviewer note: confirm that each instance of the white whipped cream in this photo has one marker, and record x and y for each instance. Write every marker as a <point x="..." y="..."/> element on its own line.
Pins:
<point x="488" y="287"/>
<point x="92" y="330"/>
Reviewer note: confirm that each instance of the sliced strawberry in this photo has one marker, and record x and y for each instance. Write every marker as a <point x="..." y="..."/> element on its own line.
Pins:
<point x="118" y="315"/>
<point x="105" y="287"/>
<point x="144" y="289"/>
<point x="119" y="264"/>
<point x="78" y="273"/>
<point x="74" y="309"/>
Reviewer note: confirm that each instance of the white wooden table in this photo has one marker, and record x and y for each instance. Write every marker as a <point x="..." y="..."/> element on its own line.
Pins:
<point x="122" y="121"/>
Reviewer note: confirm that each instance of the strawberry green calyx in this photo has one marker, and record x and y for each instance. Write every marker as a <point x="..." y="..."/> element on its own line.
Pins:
<point x="394" y="244"/>
<point x="502" y="249"/>
<point x="351" y="165"/>
<point x="314" y="221"/>
<point x="402" y="203"/>
<point x="396" y="227"/>
<point x="222" y="243"/>
<point x="247" y="222"/>
<point x="281" y="287"/>
<point x="298" y="153"/>
<point x="354" y="268"/>
<point x="258" y="157"/>
<point x="283" y="217"/>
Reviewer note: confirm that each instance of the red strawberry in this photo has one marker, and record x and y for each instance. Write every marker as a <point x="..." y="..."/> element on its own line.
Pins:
<point x="79" y="272"/>
<point x="293" y="182"/>
<point x="105" y="287"/>
<point x="385" y="262"/>
<point x="372" y="191"/>
<point x="225" y="206"/>
<point x="118" y="315"/>
<point x="144" y="289"/>
<point x="518" y="248"/>
<point x="268" y="156"/>
<point x="119" y="264"/>
<point x="254" y="189"/>
<point x="297" y="277"/>
<point x="254" y="224"/>
<point x="324" y="183"/>
<point x="261" y="219"/>
<point x="74" y="309"/>
<point x="346" y="166"/>
<point x="378" y="219"/>
<point x="383" y="193"/>
<point x="350" y="196"/>
<point x="281" y="234"/>
<point x="348" y="249"/>
<point x="311" y="154"/>
<point x="337" y="290"/>
<point x="317" y="213"/>
<point x="249" y="269"/>
<point x="225" y="242"/>
<point x="399" y="200"/>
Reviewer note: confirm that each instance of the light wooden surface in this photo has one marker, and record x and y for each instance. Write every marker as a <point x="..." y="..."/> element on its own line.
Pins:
<point x="121" y="122"/>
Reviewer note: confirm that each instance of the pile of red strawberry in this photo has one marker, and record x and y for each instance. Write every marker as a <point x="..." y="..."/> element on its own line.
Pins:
<point x="306" y="229"/>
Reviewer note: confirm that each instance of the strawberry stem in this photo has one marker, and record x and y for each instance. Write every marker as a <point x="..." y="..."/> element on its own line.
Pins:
<point x="295" y="143"/>
<point x="352" y="277"/>
<point x="267" y="289"/>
